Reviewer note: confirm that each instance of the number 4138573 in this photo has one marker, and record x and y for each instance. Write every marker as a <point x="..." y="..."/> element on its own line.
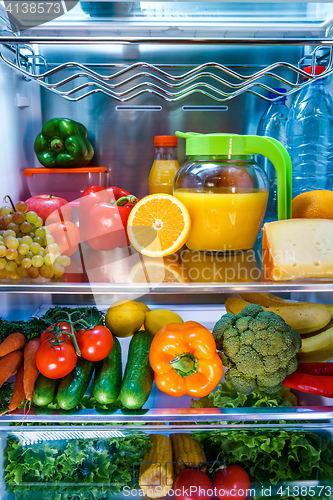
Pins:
<point x="33" y="7"/>
<point x="305" y="491"/>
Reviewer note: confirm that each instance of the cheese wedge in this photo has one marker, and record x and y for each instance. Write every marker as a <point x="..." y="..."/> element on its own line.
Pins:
<point x="297" y="249"/>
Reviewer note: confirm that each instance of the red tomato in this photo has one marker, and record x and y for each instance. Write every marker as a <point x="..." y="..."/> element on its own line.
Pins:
<point x="66" y="235"/>
<point x="56" y="361"/>
<point x="49" y="332"/>
<point x="233" y="482"/>
<point x="193" y="484"/>
<point x="96" y="343"/>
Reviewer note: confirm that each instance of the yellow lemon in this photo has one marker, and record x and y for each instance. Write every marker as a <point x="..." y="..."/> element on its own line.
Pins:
<point x="145" y="310"/>
<point x="155" y="320"/>
<point x="143" y="306"/>
<point x="124" y="318"/>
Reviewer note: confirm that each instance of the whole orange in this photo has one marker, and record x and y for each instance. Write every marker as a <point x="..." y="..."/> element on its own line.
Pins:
<point x="313" y="205"/>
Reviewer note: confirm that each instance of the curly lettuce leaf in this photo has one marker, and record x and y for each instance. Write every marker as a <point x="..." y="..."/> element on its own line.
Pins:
<point x="271" y="457"/>
<point x="225" y="396"/>
<point x="75" y="469"/>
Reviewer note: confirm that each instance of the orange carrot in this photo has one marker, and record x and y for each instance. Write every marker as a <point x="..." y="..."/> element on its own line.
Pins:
<point x="18" y="393"/>
<point x="30" y="368"/>
<point x="9" y="364"/>
<point x="13" y="342"/>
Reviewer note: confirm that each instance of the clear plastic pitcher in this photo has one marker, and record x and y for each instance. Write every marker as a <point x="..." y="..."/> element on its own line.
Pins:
<point x="226" y="191"/>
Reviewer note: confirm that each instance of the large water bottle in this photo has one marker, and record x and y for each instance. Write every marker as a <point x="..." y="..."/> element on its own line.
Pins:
<point x="273" y="124"/>
<point x="309" y="136"/>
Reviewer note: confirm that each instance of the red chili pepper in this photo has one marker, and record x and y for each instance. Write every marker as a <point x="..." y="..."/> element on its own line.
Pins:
<point x="107" y="224"/>
<point x="312" y="384"/>
<point x="92" y="196"/>
<point x="315" y="368"/>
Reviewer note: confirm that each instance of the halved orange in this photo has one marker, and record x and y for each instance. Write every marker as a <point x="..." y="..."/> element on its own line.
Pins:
<point x="158" y="225"/>
<point x="153" y="270"/>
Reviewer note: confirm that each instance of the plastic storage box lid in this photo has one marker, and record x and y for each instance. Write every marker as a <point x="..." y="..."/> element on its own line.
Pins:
<point x="28" y="172"/>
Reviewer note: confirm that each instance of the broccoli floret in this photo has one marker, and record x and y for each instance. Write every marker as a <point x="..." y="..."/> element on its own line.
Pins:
<point x="292" y="365"/>
<point x="233" y="343"/>
<point x="272" y="363"/>
<point x="271" y="379"/>
<point x="241" y="383"/>
<point x="271" y="390"/>
<point x="247" y="338"/>
<point x="258" y="347"/>
<point x="251" y="310"/>
<point x="242" y="323"/>
<point x="248" y="362"/>
<point x="227" y="321"/>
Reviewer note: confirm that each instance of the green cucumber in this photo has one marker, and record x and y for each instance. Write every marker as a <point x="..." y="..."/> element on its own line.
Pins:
<point x="45" y="390"/>
<point x="139" y="376"/>
<point x="108" y="376"/>
<point x="73" y="387"/>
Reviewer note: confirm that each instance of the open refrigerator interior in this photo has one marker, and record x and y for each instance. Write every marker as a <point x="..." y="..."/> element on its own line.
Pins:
<point x="130" y="71"/>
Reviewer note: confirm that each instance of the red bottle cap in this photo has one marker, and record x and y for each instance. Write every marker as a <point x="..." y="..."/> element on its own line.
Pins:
<point x="165" y="140"/>
<point x="318" y="70"/>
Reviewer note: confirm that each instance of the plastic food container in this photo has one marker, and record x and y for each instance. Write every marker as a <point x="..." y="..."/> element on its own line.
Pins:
<point x="67" y="183"/>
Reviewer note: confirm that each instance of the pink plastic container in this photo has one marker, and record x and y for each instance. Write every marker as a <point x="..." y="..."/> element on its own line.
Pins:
<point x="67" y="183"/>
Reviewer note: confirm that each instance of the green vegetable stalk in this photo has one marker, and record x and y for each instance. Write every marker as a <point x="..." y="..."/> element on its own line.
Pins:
<point x="63" y="143"/>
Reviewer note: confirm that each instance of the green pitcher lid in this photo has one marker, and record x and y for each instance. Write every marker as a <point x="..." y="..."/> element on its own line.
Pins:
<point x="213" y="144"/>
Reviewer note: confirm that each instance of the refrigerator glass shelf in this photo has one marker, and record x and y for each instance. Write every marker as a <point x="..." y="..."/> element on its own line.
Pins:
<point x="137" y="289"/>
<point x="194" y="416"/>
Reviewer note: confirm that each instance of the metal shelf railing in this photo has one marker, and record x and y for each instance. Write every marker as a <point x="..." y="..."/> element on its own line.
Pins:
<point x="216" y="81"/>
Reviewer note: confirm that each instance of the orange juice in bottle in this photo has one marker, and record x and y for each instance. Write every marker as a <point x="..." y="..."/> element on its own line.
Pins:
<point x="165" y="164"/>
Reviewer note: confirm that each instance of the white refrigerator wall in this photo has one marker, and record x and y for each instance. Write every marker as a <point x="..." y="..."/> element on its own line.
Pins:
<point x="20" y="111"/>
<point x="20" y="115"/>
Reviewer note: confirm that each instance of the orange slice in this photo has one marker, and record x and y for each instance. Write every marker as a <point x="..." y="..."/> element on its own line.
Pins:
<point x="158" y="271"/>
<point x="158" y="225"/>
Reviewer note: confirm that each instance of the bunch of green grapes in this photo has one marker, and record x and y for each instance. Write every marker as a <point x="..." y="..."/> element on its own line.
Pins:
<point x="26" y="246"/>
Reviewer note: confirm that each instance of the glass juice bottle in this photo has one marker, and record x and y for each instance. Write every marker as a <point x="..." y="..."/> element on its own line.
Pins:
<point x="165" y="164"/>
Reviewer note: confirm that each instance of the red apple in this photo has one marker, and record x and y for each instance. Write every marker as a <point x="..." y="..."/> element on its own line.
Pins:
<point x="50" y="207"/>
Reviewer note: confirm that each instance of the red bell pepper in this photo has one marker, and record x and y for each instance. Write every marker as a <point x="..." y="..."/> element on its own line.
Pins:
<point x="92" y="189"/>
<point x="112" y="191"/>
<point x="92" y="196"/>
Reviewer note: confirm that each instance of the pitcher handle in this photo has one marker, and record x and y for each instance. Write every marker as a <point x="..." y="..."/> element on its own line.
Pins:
<point x="279" y="157"/>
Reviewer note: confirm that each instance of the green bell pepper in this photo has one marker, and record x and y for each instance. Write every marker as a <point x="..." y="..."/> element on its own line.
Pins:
<point x="63" y="143"/>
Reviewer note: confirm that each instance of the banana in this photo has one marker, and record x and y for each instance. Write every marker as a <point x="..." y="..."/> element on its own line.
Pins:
<point x="318" y="348"/>
<point x="271" y="300"/>
<point x="302" y="317"/>
<point x="321" y="330"/>
<point x="267" y="300"/>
